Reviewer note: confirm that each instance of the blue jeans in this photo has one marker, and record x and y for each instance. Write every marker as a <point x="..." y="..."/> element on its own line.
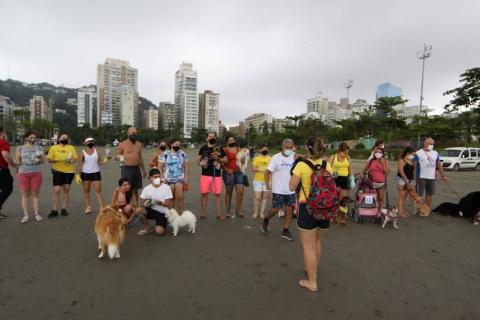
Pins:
<point x="233" y="179"/>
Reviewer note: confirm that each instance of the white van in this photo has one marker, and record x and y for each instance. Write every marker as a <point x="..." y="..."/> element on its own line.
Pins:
<point x="460" y="158"/>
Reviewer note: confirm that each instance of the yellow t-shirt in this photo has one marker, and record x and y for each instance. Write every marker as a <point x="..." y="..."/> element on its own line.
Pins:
<point x="60" y="152"/>
<point x="304" y="172"/>
<point x="261" y="162"/>
<point x="341" y="168"/>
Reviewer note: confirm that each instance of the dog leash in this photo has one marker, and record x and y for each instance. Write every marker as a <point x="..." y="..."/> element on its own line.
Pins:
<point x="453" y="189"/>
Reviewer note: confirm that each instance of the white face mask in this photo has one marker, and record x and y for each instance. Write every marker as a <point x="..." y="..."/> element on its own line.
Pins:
<point x="157" y="181"/>
<point x="430" y="147"/>
<point x="378" y="155"/>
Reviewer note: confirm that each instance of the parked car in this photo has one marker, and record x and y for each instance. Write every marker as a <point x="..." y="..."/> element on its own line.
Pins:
<point x="460" y="158"/>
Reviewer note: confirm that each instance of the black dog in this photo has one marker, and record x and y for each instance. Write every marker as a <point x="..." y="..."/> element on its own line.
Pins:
<point x="468" y="207"/>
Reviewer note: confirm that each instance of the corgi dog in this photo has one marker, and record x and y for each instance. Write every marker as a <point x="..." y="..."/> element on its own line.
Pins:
<point x="390" y="216"/>
<point x="243" y="157"/>
<point x="187" y="219"/>
<point x="110" y="230"/>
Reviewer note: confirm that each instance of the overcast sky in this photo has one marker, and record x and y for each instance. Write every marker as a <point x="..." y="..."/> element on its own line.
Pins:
<point x="261" y="56"/>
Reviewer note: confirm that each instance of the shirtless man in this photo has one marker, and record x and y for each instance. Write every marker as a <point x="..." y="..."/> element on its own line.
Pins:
<point x="129" y="152"/>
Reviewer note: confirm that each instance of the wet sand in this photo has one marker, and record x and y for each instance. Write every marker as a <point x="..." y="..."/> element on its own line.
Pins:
<point x="428" y="269"/>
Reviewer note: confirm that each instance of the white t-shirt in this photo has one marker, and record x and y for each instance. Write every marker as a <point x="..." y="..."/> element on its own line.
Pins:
<point x="161" y="193"/>
<point x="280" y="167"/>
<point x="427" y="160"/>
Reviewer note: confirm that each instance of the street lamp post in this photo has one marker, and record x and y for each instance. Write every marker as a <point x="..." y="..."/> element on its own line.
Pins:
<point x="423" y="55"/>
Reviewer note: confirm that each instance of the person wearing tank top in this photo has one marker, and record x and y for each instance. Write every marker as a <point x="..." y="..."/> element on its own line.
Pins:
<point x="88" y="173"/>
<point x="405" y="178"/>
<point x="29" y="158"/>
<point x="342" y="168"/>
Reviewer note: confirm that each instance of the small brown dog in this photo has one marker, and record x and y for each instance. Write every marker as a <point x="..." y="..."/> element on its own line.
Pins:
<point x="343" y="216"/>
<point x="110" y="230"/>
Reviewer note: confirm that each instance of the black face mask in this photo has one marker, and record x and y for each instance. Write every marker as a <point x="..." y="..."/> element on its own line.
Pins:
<point x="90" y="145"/>
<point x="133" y="138"/>
<point x="163" y="148"/>
<point x="32" y="141"/>
<point x="176" y="148"/>
<point x="264" y="152"/>
<point x="231" y="144"/>
<point x="64" y="141"/>
<point x="212" y="141"/>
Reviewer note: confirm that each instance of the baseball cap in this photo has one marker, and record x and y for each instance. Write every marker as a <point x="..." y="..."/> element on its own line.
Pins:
<point x="89" y="139"/>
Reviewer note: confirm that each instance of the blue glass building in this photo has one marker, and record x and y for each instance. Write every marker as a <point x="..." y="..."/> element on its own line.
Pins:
<point x="388" y="90"/>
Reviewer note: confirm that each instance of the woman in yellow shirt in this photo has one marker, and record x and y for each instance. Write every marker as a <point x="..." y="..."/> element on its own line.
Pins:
<point x="342" y="168"/>
<point x="309" y="228"/>
<point x="259" y="166"/>
<point x="62" y="156"/>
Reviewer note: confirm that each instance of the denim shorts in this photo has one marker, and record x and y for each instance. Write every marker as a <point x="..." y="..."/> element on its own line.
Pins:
<point x="281" y="200"/>
<point x="235" y="178"/>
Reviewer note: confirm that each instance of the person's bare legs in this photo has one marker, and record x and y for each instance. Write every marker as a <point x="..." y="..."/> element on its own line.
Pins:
<point x="429" y="199"/>
<point x="97" y="187"/>
<point x="319" y="245"/>
<point x="25" y="198"/>
<point x="179" y="198"/>
<point x="311" y="254"/>
<point x="266" y="195"/>
<point x="239" y="189"/>
<point x="381" y="194"/>
<point x="228" y="199"/>
<point x="36" y="202"/>
<point x="86" y="195"/>
<point x="57" y="190"/>
<point x="203" y="208"/>
<point x="218" y="204"/>
<point x="288" y="217"/>
<point x="66" y="195"/>
<point x="256" y="204"/>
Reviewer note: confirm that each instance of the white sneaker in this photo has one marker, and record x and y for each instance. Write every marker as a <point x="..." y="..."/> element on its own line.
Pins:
<point x="281" y="213"/>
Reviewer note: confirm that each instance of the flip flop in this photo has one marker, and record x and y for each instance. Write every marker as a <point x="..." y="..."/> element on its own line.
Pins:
<point x="240" y="215"/>
<point x="303" y="284"/>
<point x="220" y="218"/>
<point x="144" y="232"/>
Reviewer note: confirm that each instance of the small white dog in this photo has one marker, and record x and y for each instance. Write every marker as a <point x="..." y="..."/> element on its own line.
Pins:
<point x="187" y="219"/>
<point x="390" y="216"/>
<point x="243" y="157"/>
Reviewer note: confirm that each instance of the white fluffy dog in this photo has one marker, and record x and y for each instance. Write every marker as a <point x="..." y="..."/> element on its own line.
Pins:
<point x="187" y="219"/>
<point x="243" y="157"/>
<point x="390" y="216"/>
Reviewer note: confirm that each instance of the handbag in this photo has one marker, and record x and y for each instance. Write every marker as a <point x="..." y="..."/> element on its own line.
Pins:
<point x="245" y="181"/>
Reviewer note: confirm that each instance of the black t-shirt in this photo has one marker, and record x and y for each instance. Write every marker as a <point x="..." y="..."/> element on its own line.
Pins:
<point x="206" y="152"/>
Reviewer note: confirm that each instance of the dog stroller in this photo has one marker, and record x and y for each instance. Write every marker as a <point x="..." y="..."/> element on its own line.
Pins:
<point x="365" y="201"/>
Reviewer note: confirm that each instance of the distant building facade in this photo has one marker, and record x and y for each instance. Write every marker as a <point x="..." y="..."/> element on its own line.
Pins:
<point x="319" y="103"/>
<point x="150" y="118"/>
<point x="166" y="115"/>
<point x="388" y="90"/>
<point x="39" y="109"/>
<point x="87" y="107"/>
<point x="209" y="111"/>
<point x="6" y="107"/>
<point x="186" y="98"/>
<point x="257" y="120"/>
<point x="117" y="87"/>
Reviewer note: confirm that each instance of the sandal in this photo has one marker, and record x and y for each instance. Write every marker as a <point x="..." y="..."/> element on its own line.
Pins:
<point x="38" y="218"/>
<point x="144" y="232"/>
<point x="221" y="217"/>
<point x="240" y="215"/>
<point x="88" y="211"/>
<point x="24" y="219"/>
<point x="304" y="284"/>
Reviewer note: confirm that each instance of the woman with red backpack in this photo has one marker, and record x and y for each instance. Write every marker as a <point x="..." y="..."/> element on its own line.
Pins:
<point x="307" y="175"/>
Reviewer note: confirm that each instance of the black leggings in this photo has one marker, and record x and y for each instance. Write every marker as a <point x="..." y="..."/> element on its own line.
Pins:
<point x="6" y="185"/>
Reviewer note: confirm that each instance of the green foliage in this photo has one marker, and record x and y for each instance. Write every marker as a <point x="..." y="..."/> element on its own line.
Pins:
<point x="468" y="95"/>
<point x="198" y="135"/>
<point x="360" y="146"/>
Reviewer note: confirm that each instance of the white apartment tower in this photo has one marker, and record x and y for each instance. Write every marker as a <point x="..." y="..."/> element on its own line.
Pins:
<point x="209" y="111"/>
<point x="87" y="107"/>
<point x="186" y="98"/>
<point x="112" y="79"/>
<point x="39" y="109"/>
<point x="166" y="115"/>
<point x="257" y="121"/>
<point x="151" y="118"/>
<point x="319" y="104"/>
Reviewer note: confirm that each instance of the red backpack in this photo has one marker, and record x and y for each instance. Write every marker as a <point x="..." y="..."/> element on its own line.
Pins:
<point x="323" y="200"/>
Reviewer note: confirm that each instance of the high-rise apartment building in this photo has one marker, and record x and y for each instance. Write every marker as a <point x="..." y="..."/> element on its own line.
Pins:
<point x="112" y="79"/>
<point x="6" y="108"/>
<point x="209" y="111"/>
<point x="87" y="107"/>
<point x="388" y="90"/>
<point x="257" y="120"/>
<point x="319" y="104"/>
<point x="150" y="118"/>
<point x="186" y="98"/>
<point x="166" y="115"/>
<point x="39" y="109"/>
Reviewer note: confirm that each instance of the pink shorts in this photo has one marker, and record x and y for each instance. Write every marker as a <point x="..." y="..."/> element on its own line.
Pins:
<point x="30" y="181"/>
<point x="207" y="182"/>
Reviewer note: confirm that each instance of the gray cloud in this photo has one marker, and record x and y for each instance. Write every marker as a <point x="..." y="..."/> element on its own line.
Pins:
<point x="259" y="55"/>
